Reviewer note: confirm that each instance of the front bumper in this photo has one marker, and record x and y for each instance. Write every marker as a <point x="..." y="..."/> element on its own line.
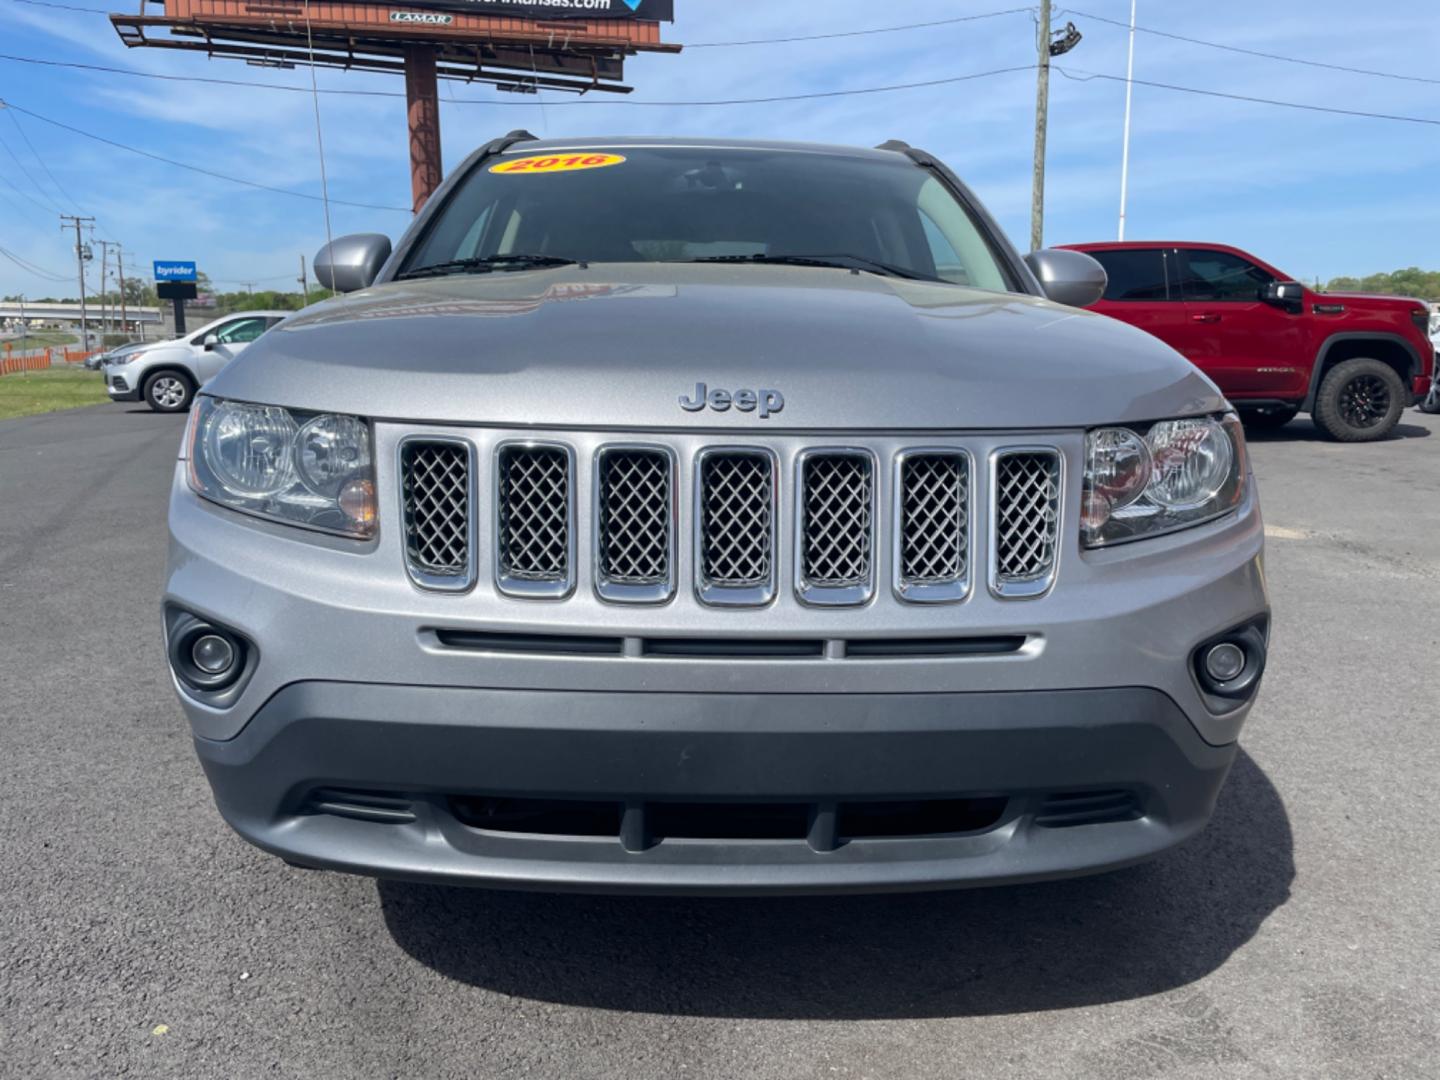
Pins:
<point x="376" y="779"/>
<point x="363" y="740"/>
<point x="121" y="387"/>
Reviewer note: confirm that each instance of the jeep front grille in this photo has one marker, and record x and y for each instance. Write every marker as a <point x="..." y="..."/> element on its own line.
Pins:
<point x="932" y="511"/>
<point x="437" y="506"/>
<point x="535" y="520"/>
<point x="735" y="527"/>
<point x="1025" y="515"/>
<point x="574" y="510"/>
<point x="634" y="524"/>
<point x="835" y="531"/>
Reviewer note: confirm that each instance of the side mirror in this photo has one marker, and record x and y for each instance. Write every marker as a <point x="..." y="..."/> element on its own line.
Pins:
<point x="211" y="340"/>
<point x="351" y="262"/>
<point x="1068" y="277"/>
<point x="1289" y="295"/>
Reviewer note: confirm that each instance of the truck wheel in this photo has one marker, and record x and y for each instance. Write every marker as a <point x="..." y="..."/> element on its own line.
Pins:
<point x="1272" y="420"/>
<point x="1360" y="400"/>
<point x="167" y="391"/>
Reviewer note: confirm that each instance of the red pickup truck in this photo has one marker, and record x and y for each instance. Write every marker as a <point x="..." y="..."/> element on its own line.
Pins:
<point x="1274" y="347"/>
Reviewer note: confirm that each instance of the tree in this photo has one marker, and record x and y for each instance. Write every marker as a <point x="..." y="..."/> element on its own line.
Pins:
<point x="1412" y="281"/>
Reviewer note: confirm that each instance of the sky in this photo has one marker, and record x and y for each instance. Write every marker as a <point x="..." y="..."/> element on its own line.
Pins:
<point x="1317" y="194"/>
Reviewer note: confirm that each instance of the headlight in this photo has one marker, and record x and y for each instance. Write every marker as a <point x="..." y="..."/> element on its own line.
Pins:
<point x="307" y="469"/>
<point x="1179" y="473"/>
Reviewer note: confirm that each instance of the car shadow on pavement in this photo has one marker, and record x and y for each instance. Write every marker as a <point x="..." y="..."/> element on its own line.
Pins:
<point x="1057" y="945"/>
<point x="1302" y="430"/>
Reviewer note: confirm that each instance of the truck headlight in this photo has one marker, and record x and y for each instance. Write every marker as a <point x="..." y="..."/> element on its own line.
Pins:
<point x="315" y="470"/>
<point x="1177" y="474"/>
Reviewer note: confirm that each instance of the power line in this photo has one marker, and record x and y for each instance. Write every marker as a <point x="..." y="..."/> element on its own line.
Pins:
<point x="1079" y="75"/>
<point x="1255" y="52"/>
<point x="859" y="33"/>
<point x="621" y="102"/>
<point x="193" y="168"/>
<point x="33" y="268"/>
<point x="40" y="160"/>
<point x="63" y="7"/>
<point x="26" y="172"/>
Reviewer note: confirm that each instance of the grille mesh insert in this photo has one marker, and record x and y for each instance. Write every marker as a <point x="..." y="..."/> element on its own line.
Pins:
<point x="837" y="529"/>
<point x="935" y="521"/>
<point x="635" y="513"/>
<point x="534" y="513"/>
<point x="1027" y="497"/>
<point x="436" y="479"/>
<point x="736" y="546"/>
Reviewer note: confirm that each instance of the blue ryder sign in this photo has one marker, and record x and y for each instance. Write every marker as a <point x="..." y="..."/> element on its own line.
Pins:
<point x="172" y="270"/>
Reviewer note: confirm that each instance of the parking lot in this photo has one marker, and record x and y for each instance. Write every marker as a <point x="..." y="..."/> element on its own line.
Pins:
<point x="1299" y="936"/>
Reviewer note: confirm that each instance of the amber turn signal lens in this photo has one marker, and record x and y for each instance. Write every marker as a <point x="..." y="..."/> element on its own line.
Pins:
<point x="357" y="500"/>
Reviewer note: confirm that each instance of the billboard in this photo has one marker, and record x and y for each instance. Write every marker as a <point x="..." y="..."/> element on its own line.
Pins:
<point x="658" y="10"/>
<point x="174" y="270"/>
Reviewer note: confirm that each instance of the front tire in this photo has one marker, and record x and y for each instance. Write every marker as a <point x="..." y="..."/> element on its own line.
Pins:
<point x="1360" y="400"/>
<point x="168" y="391"/>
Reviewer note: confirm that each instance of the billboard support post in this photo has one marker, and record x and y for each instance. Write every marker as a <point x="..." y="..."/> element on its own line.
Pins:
<point x="422" y="96"/>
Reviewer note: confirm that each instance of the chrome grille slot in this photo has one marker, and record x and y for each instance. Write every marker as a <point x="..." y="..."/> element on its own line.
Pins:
<point x="735" y="526"/>
<point x="1025" y="521"/>
<point x="535" y="520"/>
<point x="932" y="523"/>
<point x="634" y="524"/>
<point x="438" y="512"/>
<point x="835" y="536"/>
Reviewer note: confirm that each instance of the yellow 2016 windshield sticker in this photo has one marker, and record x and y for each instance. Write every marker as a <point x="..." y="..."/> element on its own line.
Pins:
<point x="553" y="163"/>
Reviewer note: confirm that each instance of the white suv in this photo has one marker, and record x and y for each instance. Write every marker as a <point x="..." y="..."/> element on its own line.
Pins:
<point x="167" y="374"/>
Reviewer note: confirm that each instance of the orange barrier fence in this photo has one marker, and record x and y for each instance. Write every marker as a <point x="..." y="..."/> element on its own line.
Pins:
<point x="40" y="359"/>
<point x="25" y="362"/>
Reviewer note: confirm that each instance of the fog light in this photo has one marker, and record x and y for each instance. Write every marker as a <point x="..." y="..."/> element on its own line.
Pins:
<point x="1224" y="662"/>
<point x="211" y="662"/>
<point x="212" y="654"/>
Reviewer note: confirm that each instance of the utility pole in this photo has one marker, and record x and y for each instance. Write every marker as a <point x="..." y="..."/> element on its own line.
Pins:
<point x="1125" y="152"/>
<point x="304" y="281"/>
<point x="104" y="275"/>
<point x="1042" y="108"/>
<point x="1047" y="44"/>
<point x="76" y="222"/>
<point x="24" y="325"/>
<point x="124" y="307"/>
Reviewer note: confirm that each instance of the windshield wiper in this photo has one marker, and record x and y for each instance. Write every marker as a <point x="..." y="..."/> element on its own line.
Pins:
<point x="840" y="262"/>
<point x="486" y="264"/>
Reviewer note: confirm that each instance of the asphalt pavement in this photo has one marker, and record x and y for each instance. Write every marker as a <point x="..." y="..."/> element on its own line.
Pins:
<point x="1299" y="936"/>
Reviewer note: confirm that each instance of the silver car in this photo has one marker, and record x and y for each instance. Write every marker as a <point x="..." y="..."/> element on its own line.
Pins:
<point x="166" y="374"/>
<point x="716" y="517"/>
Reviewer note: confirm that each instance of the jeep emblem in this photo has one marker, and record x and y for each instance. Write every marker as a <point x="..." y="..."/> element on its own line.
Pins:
<point x="766" y="401"/>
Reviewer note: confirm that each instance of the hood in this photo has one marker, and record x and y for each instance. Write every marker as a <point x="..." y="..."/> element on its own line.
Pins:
<point x="1380" y="299"/>
<point x="618" y="345"/>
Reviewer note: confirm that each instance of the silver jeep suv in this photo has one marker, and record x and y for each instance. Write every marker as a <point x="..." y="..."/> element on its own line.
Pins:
<point x="712" y="516"/>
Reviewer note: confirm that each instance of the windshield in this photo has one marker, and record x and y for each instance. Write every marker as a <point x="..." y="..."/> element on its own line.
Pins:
<point x="686" y="204"/>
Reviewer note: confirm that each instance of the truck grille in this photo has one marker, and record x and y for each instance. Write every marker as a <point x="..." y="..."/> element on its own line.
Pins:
<point x="735" y="540"/>
<point x="437" y="512"/>
<point x="836" y="531"/>
<point x="634" y="524"/>
<point x="1025" y="520"/>
<point x="634" y="530"/>
<point x="535" y="520"/>
<point x="933" y="508"/>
